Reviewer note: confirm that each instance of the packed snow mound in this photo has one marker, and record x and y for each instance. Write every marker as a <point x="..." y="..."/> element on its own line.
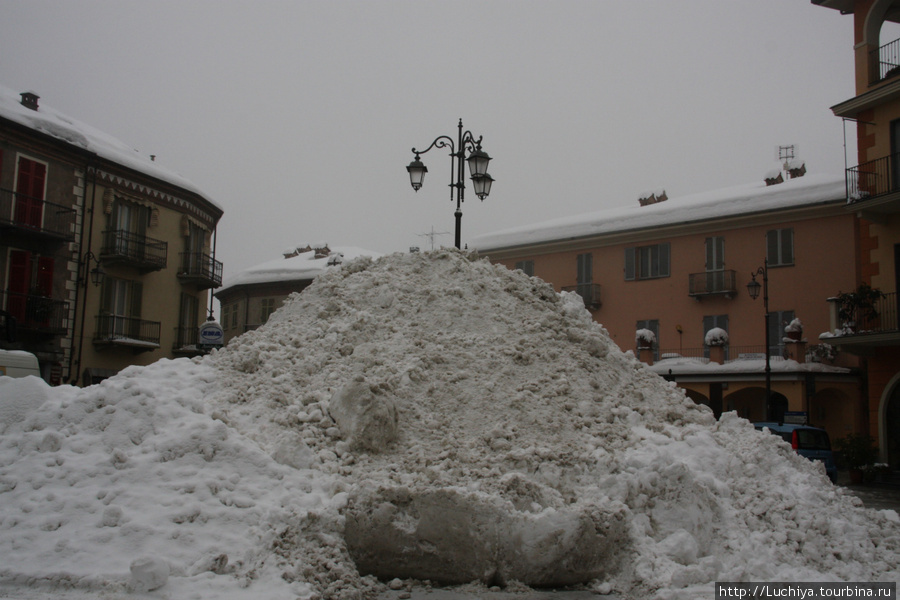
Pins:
<point x="425" y="416"/>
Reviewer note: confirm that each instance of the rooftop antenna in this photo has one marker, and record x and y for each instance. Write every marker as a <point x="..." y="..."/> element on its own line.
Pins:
<point x="432" y="235"/>
<point x="786" y="154"/>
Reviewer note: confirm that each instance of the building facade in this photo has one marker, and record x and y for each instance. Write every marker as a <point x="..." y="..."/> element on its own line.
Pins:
<point x="249" y="298"/>
<point x="873" y="192"/>
<point x="105" y="257"/>
<point x="679" y="268"/>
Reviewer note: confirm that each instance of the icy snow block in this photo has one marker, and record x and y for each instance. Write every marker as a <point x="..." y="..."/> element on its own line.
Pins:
<point x="367" y="421"/>
<point x="452" y="536"/>
<point x="149" y="573"/>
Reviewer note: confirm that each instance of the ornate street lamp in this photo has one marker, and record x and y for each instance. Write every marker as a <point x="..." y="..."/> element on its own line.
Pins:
<point x="96" y="274"/>
<point x="478" y="161"/>
<point x="753" y="288"/>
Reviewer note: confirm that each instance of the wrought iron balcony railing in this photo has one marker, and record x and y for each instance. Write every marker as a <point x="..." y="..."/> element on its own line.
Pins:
<point x="885" y="62"/>
<point x="874" y="178"/>
<point x="710" y="283"/>
<point x="36" y="313"/>
<point x="589" y="292"/>
<point x="201" y="269"/>
<point x="127" y="331"/>
<point x="134" y="249"/>
<point x="37" y="216"/>
<point x="881" y="318"/>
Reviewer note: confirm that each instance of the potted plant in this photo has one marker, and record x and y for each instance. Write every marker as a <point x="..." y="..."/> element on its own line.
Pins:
<point x="716" y="337"/>
<point x="794" y="331"/>
<point x="645" y="339"/>
<point x="858" y="307"/>
<point x="859" y="451"/>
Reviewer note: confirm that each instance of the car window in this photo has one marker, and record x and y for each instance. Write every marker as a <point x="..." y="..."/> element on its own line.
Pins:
<point x="810" y="439"/>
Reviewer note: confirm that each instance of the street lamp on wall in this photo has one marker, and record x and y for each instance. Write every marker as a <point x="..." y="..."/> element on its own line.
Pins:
<point x="95" y="274"/>
<point x="478" y="161"/>
<point x="753" y="288"/>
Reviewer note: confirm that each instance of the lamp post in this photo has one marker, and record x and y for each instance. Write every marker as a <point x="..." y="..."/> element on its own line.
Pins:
<point x="753" y="288"/>
<point x="478" y="161"/>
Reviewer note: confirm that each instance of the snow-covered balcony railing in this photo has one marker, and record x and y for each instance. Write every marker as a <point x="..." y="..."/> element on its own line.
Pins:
<point x="33" y="215"/>
<point x="127" y="331"/>
<point x="589" y="292"/>
<point x="36" y="313"/>
<point x="146" y="253"/>
<point x="874" y="178"/>
<point x="201" y="269"/>
<point x="885" y="62"/>
<point x="711" y="283"/>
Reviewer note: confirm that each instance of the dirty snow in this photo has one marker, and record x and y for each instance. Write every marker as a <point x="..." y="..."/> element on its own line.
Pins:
<point x="389" y="404"/>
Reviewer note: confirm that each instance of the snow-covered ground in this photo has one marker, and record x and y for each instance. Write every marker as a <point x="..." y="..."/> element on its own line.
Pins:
<point x="402" y="414"/>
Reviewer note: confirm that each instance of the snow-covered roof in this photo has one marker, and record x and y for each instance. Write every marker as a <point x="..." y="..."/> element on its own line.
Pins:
<point x="729" y="202"/>
<point x="51" y="122"/>
<point x="696" y="366"/>
<point x="303" y="266"/>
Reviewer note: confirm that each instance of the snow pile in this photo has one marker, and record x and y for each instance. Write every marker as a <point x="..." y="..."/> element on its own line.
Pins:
<point x="420" y="416"/>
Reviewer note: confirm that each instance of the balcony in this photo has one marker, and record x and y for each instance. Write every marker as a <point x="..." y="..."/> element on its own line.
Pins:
<point x="125" y="247"/>
<point x="712" y="283"/>
<point x="884" y="62"/>
<point x="137" y="334"/>
<point x="589" y="292"/>
<point x="878" y="327"/>
<point x="36" y="217"/>
<point x="187" y="341"/>
<point x="38" y="314"/>
<point x="200" y="269"/>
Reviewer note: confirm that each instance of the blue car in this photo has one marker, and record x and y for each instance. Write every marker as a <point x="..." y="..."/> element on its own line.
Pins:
<point x="811" y="442"/>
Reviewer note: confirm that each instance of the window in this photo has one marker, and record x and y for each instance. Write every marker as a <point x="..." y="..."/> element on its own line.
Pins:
<point x="714" y="322"/>
<point x="780" y="247"/>
<point x="188" y="320"/>
<point x="652" y="325"/>
<point x="30" y="280"/>
<point x="127" y="229"/>
<point x="778" y="320"/>
<point x="715" y="264"/>
<point x="30" y="179"/>
<point x="267" y="307"/>
<point x="647" y="262"/>
<point x="226" y="315"/>
<point x="526" y="266"/>
<point x="120" y="308"/>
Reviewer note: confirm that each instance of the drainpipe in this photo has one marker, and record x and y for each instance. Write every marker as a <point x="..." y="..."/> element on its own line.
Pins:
<point x="75" y="366"/>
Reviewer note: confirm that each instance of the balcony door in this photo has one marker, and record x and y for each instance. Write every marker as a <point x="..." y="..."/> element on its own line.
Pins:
<point x="30" y="180"/>
<point x="120" y="308"/>
<point x="129" y="225"/>
<point x="715" y="264"/>
<point x="30" y="278"/>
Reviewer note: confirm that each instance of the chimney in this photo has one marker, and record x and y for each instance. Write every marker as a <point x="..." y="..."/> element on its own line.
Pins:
<point x="655" y="197"/>
<point x="796" y="168"/>
<point x="774" y="177"/>
<point x="30" y="100"/>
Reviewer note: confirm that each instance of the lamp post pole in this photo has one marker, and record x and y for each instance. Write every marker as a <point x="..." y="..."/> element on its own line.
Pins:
<point x="753" y="288"/>
<point x="478" y="161"/>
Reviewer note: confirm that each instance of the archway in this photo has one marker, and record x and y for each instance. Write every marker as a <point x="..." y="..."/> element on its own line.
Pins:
<point x="750" y="403"/>
<point x="699" y="398"/>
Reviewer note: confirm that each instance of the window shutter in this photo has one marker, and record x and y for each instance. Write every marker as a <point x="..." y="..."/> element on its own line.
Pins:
<point x="44" y="283"/>
<point x="787" y="246"/>
<point x="629" y="264"/>
<point x="772" y="247"/>
<point x="664" y="250"/>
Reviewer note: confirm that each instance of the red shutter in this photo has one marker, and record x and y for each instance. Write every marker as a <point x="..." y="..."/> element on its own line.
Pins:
<point x="30" y="192"/>
<point x="19" y="282"/>
<point x="44" y="284"/>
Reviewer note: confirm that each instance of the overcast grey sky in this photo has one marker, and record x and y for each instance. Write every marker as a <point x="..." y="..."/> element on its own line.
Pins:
<point x="298" y="117"/>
